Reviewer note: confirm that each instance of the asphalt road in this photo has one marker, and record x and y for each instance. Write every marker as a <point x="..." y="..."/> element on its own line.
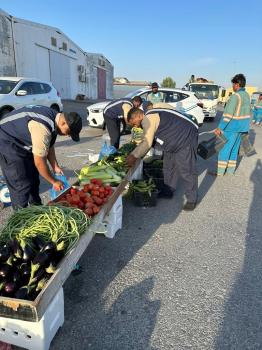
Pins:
<point x="171" y="280"/>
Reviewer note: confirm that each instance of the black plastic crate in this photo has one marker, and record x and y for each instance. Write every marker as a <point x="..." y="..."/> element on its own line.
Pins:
<point x="145" y="199"/>
<point x="157" y="175"/>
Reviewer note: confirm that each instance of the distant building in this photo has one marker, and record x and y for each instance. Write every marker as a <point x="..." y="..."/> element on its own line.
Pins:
<point x="35" y="50"/>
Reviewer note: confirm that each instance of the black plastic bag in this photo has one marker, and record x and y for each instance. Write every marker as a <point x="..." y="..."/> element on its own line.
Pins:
<point x="208" y="148"/>
<point x="246" y="149"/>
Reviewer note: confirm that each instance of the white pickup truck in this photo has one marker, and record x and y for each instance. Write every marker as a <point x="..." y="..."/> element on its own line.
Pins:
<point x="208" y="94"/>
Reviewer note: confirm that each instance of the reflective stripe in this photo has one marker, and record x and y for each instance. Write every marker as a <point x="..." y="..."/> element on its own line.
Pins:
<point x="228" y="115"/>
<point x="242" y="117"/>
<point x="156" y="110"/>
<point x="22" y="115"/>
<point x="116" y="103"/>
<point x="238" y="104"/>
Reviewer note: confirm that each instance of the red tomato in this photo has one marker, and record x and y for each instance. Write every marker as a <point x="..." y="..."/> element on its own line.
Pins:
<point x="93" y="181"/>
<point x="73" y="191"/>
<point x="75" y="199"/>
<point x="86" y="188"/>
<point x="91" y="186"/>
<point x="82" y="194"/>
<point x="96" y="188"/>
<point x="96" y="209"/>
<point x="108" y="188"/>
<point x="99" y="182"/>
<point x="81" y="205"/>
<point x="95" y="193"/>
<point x="89" y="205"/>
<point x="102" y="195"/>
<point x="89" y="212"/>
<point x="98" y="201"/>
<point x="101" y="190"/>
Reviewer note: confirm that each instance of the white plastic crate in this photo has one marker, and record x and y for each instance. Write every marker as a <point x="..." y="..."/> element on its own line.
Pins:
<point x="35" y="335"/>
<point x="113" y="221"/>
<point x="138" y="174"/>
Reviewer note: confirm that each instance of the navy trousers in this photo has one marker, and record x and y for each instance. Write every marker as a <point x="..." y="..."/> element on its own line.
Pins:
<point x="22" y="179"/>
<point x="182" y="164"/>
<point x="113" y="128"/>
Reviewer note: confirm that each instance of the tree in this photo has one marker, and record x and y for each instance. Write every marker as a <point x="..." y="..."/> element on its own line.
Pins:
<point x="168" y="82"/>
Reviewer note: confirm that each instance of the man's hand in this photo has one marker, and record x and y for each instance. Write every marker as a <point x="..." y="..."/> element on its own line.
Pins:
<point x="131" y="160"/>
<point x="218" y="132"/>
<point x="58" y="170"/>
<point x="58" y="185"/>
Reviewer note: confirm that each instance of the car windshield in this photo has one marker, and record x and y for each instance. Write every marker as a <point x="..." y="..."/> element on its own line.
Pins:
<point x="205" y="92"/>
<point x="134" y="93"/>
<point x="6" y="86"/>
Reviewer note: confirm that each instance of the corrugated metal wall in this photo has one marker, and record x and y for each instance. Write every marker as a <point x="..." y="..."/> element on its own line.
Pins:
<point x="7" y="59"/>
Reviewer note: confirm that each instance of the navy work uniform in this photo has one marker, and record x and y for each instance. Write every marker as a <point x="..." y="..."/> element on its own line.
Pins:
<point x="115" y="112"/>
<point x="177" y="134"/>
<point x="16" y="156"/>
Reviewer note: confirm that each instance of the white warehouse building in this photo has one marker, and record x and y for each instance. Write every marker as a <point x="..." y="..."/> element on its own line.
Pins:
<point x="29" y="49"/>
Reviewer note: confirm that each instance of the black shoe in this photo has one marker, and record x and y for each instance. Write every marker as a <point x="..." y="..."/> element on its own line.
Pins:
<point x="165" y="194"/>
<point x="189" y="206"/>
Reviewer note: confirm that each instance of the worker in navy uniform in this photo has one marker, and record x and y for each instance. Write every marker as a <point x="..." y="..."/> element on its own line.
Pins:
<point x="115" y="113"/>
<point x="177" y="134"/>
<point x="27" y="137"/>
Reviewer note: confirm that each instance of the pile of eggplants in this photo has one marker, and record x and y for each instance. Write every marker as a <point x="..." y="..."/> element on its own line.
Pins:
<point x="25" y="269"/>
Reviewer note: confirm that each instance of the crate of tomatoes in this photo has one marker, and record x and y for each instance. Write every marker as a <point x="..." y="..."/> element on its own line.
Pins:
<point x="89" y="198"/>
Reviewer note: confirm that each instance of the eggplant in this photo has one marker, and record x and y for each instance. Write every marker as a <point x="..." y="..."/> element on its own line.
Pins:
<point x="35" y="277"/>
<point x="5" y="270"/>
<point x="50" y="247"/>
<point x="16" y="249"/>
<point x="28" y="253"/>
<point x="24" y="292"/>
<point x="42" y="258"/>
<point x="17" y="277"/>
<point x="16" y="261"/>
<point x="5" y="253"/>
<point x="58" y="256"/>
<point x="38" y="242"/>
<point x="25" y="271"/>
<point x="10" y="288"/>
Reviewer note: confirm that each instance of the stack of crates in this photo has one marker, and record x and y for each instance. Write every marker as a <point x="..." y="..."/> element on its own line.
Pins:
<point x="34" y="335"/>
<point x="113" y="221"/>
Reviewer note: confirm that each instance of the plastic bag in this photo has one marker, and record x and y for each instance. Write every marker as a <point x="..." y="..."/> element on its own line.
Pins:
<point x="53" y="194"/>
<point x="208" y="148"/>
<point x="106" y="150"/>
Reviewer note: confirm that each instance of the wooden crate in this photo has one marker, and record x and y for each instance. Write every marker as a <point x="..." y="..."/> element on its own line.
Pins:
<point x="34" y="310"/>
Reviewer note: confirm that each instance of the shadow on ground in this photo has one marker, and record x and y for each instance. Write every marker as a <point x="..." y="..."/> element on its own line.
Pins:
<point x="242" y="324"/>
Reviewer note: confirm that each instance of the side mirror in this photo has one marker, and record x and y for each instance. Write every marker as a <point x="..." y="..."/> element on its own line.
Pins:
<point x="223" y="94"/>
<point x="21" y="93"/>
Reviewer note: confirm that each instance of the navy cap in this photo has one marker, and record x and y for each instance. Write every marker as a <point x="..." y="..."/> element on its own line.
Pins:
<point x="74" y="122"/>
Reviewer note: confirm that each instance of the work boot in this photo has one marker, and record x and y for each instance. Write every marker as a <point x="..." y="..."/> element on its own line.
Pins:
<point x="165" y="192"/>
<point x="189" y="206"/>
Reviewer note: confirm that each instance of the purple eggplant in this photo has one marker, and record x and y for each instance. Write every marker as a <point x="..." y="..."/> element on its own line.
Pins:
<point x="42" y="258"/>
<point x="28" y="253"/>
<point x="38" y="242"/>
<point x="24" y="292"/>
<point x="5" y="270"/>
<point x="25" y="271"/>
<point x="10" y="288"/>
<point x="49" y="247"/>
<point x="17" y="277"/>
<point x="16" y="249"/>
<point x="5" y="253"/>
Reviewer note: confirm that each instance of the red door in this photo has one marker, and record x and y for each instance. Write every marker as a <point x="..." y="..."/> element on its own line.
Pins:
<point x="101" y="83"/>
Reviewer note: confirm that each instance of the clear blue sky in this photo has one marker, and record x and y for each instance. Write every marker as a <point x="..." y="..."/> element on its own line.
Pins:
<point x="149" y="40"/>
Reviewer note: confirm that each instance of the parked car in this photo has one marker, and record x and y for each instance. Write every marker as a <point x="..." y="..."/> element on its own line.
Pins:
<point x="19" y="92"/>
<point x="184" y="101"/>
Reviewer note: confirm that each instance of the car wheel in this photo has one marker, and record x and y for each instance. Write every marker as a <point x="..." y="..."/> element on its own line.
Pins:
<point x="55" y="107"/>
<point x="4" y="112"/>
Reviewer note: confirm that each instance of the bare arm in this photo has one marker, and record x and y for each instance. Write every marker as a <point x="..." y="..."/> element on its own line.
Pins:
<point x="42" y="167"/>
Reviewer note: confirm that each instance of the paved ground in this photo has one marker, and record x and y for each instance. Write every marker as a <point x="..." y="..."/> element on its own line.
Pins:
<point x="172" y="280"/>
